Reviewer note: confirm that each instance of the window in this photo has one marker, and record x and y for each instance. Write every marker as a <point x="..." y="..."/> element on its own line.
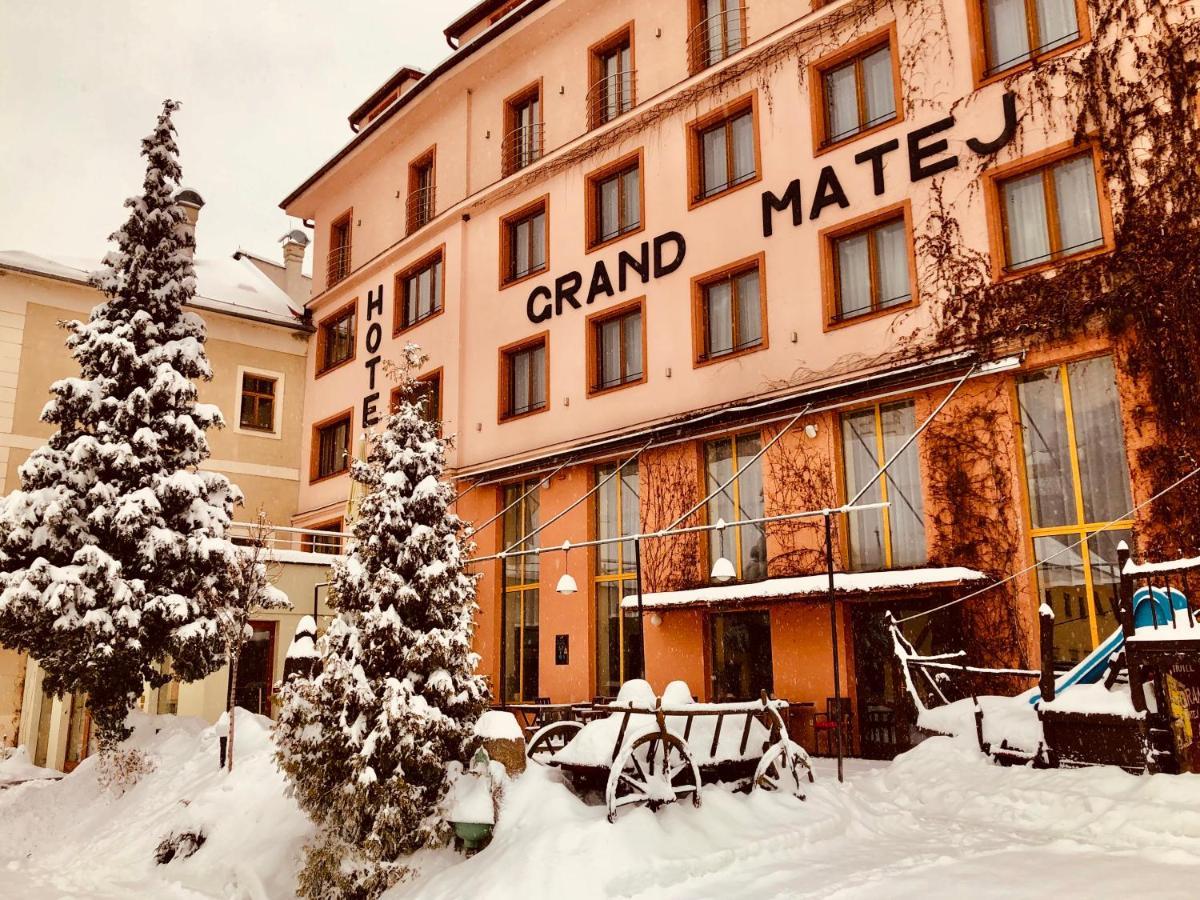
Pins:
<point x="524" y="241"/>
<point x="741" y="655"/>
<point x="892" y="537"/>
<point x="745" y="545"/>
<point x="320" y="543"/>
<point x="422" y="192"/>
<point x="730" y="312"/>
<point x="614" y="201"/>
<point x="523" y="135"/>
<point x="430" y="387"/>
<point x="419" y="291"/>
<point x="868" y="265"/>
<point x="331" y="447"/>
<point x="167" y="702"/>
<point x="859" y="87"/>
<point x="617" y="347"/>
<point x="255" y="666"/>
<point x="520" y="610"/>
<point x="612" y="90"/>
<point x="718" y="31"/>
<point x="1050" y="213"/>
<point x="1018" y="31"/>
<point x="335" y="339"/>
<point x="523" y="376"/>
<point x="724" y="151"/>
<point x="1077" y="479"/>
<point x="618" y="632"/>
<point x="338" y="266"/>
<point x="258" y="402"/>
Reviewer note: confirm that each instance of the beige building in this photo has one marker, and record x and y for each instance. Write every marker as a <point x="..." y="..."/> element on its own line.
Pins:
<point x="257" y="345"/>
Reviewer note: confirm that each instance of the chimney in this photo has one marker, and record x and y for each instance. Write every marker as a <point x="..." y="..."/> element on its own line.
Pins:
<point x="294" y="243"/>
<point x="192" y="203"/>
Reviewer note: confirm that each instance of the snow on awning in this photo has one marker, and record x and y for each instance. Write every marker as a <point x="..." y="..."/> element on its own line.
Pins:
<point x="809" y="587"/>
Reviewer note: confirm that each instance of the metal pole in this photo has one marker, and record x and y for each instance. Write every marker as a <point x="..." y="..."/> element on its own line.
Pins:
<point x="637" y="565"/>
<point x="833" y="628"/>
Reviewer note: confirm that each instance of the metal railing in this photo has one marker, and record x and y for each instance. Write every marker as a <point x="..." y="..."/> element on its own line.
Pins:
<point x="420" y="207"/>
<point x="717" y="37"/>
<point x="337" y="265"/>
<point x="522" y="146"/>
<point x="285" y="537"/>
<point x="610" y="97"/>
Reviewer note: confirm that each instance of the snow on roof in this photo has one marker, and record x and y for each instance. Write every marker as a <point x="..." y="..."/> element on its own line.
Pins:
<point x="812" y="585"/>
<point x="230" y="285"/>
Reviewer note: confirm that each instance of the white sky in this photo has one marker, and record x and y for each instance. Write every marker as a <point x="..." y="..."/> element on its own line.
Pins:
<point x="266" y="87"/>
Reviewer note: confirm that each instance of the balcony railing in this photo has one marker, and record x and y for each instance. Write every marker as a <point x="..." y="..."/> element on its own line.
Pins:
<point x="420" y="208"/>
<point x="337" y="266"/>
<point x="611" y="96"/>
<point x="521" y="147"/>
<point x="717" y="37"/>
<point x="275" y="538"/>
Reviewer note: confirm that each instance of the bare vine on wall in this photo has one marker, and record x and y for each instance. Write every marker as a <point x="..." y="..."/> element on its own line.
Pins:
<point x="671" y="563"/>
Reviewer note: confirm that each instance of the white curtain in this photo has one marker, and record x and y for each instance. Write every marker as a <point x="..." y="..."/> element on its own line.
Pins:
<point x="633" y="346"/>
<point x="749" y="312"/>
<point x="720" y="319"/>
<point x="1047" y="451"/>
<point x="1025" y="215"/>
<point x="520" y="382"/>
<point x="1057" y="24"/>
<point x="743" y="146"/>
<point x="537" y="378"/>
<point x="878" y="87"/>
<point x="1078" y="209"/>
<point x="520" y="250"/>
<point x="610" y="353"/>
<point x="733" y="26"/>
<point x="537" y="253"/>
<point x="1007" y="34"/>
<point x="891" y="258"/>
<point x="866" y="527"/>
<point x="907" y="510"/>
<point x="610" y="207"/>
<point x="854" y="276"/>
<point x="716" y="166"/>
<point x="633" y="197"/>
<point x="841" y="101"/>
<point x="1100" y="439"/>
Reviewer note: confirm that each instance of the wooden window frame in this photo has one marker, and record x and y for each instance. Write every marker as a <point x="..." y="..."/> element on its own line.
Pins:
<point x="977" y="27"/>
<point x="829" y="270"/>
<point x="400" y="297"/>
<point x="592" y="331"/>
<point x="512" y="102"/>
<point x="695" y="153"/>
<point x="507" y="222"/>
<point x="428" y="159"/>
<point x="307" y="541"/>
<point x="596" y="53"/>
<point x="348" y="310"/>
<point x="314" y="475"/>
<point x="506" y="353"/>
<point x="626" y="569"/>
<point x="633" y="160"/>
<point x="435" y="375"/>
<point x="524" y="489"/>
<point x="696" y="66"/>
<point x="735" y="488"/>
<point x="701" y="283"/>
<point x="346" y="218"/>
<point x="855" y="51"/>
<point x="993" y="181"/>
<point x="242" y="392"/>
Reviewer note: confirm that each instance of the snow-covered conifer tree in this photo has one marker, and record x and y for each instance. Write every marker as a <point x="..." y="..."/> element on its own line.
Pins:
<point x="113" y="554"/>
<point x="365" y="742"/>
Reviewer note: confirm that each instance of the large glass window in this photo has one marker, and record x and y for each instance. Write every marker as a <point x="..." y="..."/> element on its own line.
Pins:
<point x="870" y="268"/>
<point x="331" y="455"/>
<point x="526" y="240"/>
<point x="523" y="143"/>
<point x="419" y="292"/>
<point x="338" y="264"/>
<point x="335" y="342"/>
<point x="859" y="93"/>
<point x="258" y="402"/>
<point x="612" y="80"/>
<point x="1017" y="31"/>
<point x="745" y="545"/>
<point x="521" y="595"/>
<point x="726" y="153"/>
<point x="616" y="204"/>
<point x="741" y="656"/>
<point x="731" y="314"/>
<point x="618" y="632"/>
<point x="720" y="32"/>
<point x="616" y="351"/>
<point x="525" y="379"/>
<point x="1078" y="480"/>
<point x="1051" y="213"/>
<point x="895" y="535"/>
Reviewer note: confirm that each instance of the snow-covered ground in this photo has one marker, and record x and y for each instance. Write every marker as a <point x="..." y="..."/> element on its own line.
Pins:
<point x="938" y="822"/>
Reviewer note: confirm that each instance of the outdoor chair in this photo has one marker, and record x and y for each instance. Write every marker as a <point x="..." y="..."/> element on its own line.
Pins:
<point x="831" y="725"/>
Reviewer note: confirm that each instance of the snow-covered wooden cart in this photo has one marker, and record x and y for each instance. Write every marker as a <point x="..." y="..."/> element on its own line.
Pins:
<point x="648" y="750"/>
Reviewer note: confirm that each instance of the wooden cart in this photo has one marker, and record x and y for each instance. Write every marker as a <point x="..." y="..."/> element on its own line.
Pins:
<point x="639" y="755"/>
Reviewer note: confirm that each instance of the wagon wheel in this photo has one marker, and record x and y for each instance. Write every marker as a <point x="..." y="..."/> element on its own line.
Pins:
<point x="551" y="738"/>
<point x="654" y="769"/>
<point x="782" y="767"/>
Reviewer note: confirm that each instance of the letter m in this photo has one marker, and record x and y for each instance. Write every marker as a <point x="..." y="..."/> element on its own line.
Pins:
<point x="772" y="204"/>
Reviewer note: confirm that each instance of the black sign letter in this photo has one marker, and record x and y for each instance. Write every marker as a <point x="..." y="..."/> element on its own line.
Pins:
<point x="627" y="261"/>
<point x="369" y="414"/>
<point x="546" y="311"/>
<point x="660" y="268"/>
<point x="566" y="287"/>
<point x="829" y="192"/>
<point x="917" y="154"/>
<point x="601" y="283"/>
<point x="983" y="148"/>
<point x="772" y="204"/>
<point x="875" y="155"/>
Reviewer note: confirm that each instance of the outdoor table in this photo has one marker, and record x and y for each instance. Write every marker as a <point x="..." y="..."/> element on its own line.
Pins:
<point x="533" y="716"/>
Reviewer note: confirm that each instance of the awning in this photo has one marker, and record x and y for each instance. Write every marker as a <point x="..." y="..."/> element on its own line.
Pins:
<point x="848" y="585"/>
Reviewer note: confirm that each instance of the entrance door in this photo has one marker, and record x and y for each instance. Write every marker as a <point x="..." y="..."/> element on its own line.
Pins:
<point x="254" y="669"/>
<point x="741" y="655"/>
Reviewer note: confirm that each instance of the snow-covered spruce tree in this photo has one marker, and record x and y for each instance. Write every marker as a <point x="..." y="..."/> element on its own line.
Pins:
<point x="365" y="743"/>
<point x="113" y="554"/>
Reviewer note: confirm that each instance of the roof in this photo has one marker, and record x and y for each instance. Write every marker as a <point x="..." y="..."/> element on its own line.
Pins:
<point x="809" y="587"/>
<point x="473" y="17"/>
<point x="442" y="68"/>
<point x="400" y="76"/>
<point x="231" y="285"/>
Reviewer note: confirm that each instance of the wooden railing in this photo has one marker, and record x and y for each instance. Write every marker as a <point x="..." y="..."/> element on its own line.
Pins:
<point x="717" y="37"/>
<point x="611" y="96"/>
<point x="522" y="146"/>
